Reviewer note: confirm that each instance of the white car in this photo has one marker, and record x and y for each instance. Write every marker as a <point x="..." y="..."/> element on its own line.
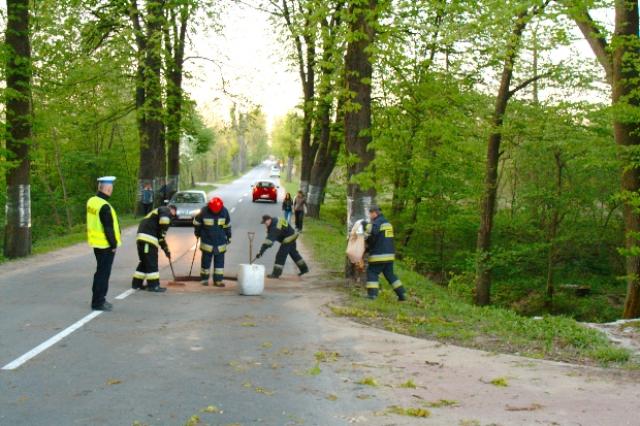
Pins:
<point x="188" y="204"/>
<point x="275" y="171"/>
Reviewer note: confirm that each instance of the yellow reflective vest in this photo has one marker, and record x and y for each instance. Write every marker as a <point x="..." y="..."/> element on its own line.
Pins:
<point x="95" y="231"/>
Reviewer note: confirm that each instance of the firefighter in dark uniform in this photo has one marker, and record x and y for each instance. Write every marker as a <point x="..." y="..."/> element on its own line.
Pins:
<point x="379" y="243"/>
<point x="213" y="226"/>
<point x="278" y="229"/>
<point x="103" y="234"/>
<point x="151" y="236"/>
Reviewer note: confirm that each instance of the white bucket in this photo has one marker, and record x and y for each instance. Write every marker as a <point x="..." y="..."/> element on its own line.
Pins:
<point x="251" y="279"/>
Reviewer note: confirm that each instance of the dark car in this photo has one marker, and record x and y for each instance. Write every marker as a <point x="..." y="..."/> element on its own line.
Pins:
<point x="265" y="190"/>
<point x="188" y="204"/>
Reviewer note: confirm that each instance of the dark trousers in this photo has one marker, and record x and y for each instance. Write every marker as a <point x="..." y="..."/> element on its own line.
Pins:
<point x="385" y="268"/>
<point x="146" y="208"/>
<point x="299" y="219"/>
<point x="218" y="267"/>
<point x="286" y="250"/>
<point x="148" y="267"/>
<point x="104" y="259"/>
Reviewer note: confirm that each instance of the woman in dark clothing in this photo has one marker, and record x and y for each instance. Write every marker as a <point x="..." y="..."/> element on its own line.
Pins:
<point x="287" y="207"/>
<point x="299" y="205"/>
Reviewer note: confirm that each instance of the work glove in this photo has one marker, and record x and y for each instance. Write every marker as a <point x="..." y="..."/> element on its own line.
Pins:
<point x="167" y="253"/>
<point x="228" y="240"/>
<point x="259" y="255"/>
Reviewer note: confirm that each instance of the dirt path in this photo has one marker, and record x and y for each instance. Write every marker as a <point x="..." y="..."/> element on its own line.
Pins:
<point x="460" y="386"/>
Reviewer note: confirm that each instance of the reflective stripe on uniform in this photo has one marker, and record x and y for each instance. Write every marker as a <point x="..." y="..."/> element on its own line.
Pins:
<point x="373" y="284"/>
<point x="222" y="248"/>
<point x="218" y="271"/>
<point x="205" y="271"/>
<point x="397" y="284"/>
<point x="153" y="276"/>
<point x="276" y="266"/>
<point x="300" y="262"/>
<point x="206" y="247"/>
<point x="374" y="258"/>
<point x="268" y="243"/>
<point x="139" y="275"/>
<point x="290" y="238"/>
<point x="164" y="220"/>
<point x="208" y="222"/>
<point x="147" y="239"/>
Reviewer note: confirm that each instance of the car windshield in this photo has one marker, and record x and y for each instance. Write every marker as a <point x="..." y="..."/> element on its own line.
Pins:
<point x="265" y="185"/>
<point x="188" y="198"/>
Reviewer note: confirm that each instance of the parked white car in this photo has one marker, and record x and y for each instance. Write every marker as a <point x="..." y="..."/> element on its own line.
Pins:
<point x="275" y="171"/>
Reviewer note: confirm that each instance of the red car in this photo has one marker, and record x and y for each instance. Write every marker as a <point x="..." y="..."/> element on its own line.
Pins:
<point x="265" y="190"/>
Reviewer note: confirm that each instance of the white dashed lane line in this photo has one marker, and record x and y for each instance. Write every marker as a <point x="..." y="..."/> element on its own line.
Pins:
<point x="232" y="210"/>
<point x="58" y="337"/>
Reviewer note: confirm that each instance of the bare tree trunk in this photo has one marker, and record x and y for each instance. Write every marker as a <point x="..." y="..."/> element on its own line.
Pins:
<point x="175" y="44"/>
<point x="17" y="238"/>
<point x="357" y="117"/>
<point x="487" y="208"/>
<point x="553" y="232"/>
<point x="625" y="77"/>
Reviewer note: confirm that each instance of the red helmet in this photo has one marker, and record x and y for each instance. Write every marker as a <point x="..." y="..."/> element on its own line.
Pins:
<point x="216" y="204"/>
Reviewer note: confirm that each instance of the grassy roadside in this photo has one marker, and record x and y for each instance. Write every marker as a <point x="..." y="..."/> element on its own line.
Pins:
<point x="432" y="312"/>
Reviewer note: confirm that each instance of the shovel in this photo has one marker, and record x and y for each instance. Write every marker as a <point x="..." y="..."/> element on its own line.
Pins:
<point x="194" y="256"/>
<point x="173" y="274"/>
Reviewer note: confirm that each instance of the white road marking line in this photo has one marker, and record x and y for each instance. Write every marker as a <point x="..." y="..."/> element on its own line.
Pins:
<point x="232" y="210"/>
<point x="124" y="295"/>
<point x="240" y="200"/>
<point x="245" y="195"/>
<point x="52" y="341"/>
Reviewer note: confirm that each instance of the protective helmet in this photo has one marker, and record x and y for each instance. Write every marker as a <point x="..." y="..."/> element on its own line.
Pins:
<point x="216" y="205"/>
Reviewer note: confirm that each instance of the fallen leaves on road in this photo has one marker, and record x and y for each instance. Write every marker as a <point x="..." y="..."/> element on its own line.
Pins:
<point x="212" y="409"/>
<point x="368" y="381"/>
<point x="442" y="403"/>
<point x="531" y="407"/>
<point x="412" y="412"/>
<point x="409" y="384"/>
<point x="248" y="324"/>
<point x="500" y="382"/>
<point x="113" y="382"/>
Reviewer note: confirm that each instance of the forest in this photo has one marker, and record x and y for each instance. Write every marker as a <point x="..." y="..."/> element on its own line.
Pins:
<point x="499" y="136"/>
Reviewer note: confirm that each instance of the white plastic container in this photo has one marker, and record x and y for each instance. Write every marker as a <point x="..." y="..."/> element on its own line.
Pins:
<point x="251" y="279"/>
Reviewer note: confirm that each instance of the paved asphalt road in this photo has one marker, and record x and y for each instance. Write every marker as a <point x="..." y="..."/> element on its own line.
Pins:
<point x="158" y="359"/>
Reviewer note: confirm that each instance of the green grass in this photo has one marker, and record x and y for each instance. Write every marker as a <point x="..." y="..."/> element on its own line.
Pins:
<point x="432" y="312"/>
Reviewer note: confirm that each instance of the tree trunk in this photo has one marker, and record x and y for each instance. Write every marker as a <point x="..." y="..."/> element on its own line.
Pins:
<point x="624" y="96"/>
<point x="357" y="117"/>
<point x="488" y="205"/>
<point x="175" y="64"/>
<point x="553" y="232"/>
<point x="17" y="238"/>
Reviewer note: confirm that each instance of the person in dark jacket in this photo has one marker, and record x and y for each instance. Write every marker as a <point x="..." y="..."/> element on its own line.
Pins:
<point x="299" y="204"/>
<point x="213" y="226"/>
<point x="379" y="243"/>
<point x="152" y="232"/>
<point x="287" y="207"/>
<point x="278" y="229"/>
<point x="103" y="234"/>
<point x="147" y="199"/>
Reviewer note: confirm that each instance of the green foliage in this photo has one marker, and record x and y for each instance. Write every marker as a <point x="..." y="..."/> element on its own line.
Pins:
<point x="433" y="312"/>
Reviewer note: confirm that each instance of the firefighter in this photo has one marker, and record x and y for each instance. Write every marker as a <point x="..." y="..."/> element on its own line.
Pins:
<point x="278" y="229"/>
<point x="379" y="243"/>
<point x="103" y="234"/>
<point x="213" y="226"/>
<point x="151" y="236"/>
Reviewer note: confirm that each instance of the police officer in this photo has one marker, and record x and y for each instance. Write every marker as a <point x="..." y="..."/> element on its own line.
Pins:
<point x="213" y="226"/>
<point x="103" y="234"/>
<point x="379" y="242"/>
<point x="278" y="229"/>
<point x="151" y="236"/>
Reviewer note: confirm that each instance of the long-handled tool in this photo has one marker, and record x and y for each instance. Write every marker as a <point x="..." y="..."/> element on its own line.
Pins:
<point x="251" y="236"/>
<point x="194" y="256"/>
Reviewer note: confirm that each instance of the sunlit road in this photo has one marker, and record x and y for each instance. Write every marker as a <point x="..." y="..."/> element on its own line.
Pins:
<point x="160" y="358"/>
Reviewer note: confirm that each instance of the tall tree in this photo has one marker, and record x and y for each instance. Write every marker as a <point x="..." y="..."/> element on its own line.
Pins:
<point x="363" y="16"/>
<point x="17" y="240"/>
<point x="490" y="191"/>
<point x="622" y="71"/>
<point x="177" y="18"/>
<point x="148" y="31"/>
